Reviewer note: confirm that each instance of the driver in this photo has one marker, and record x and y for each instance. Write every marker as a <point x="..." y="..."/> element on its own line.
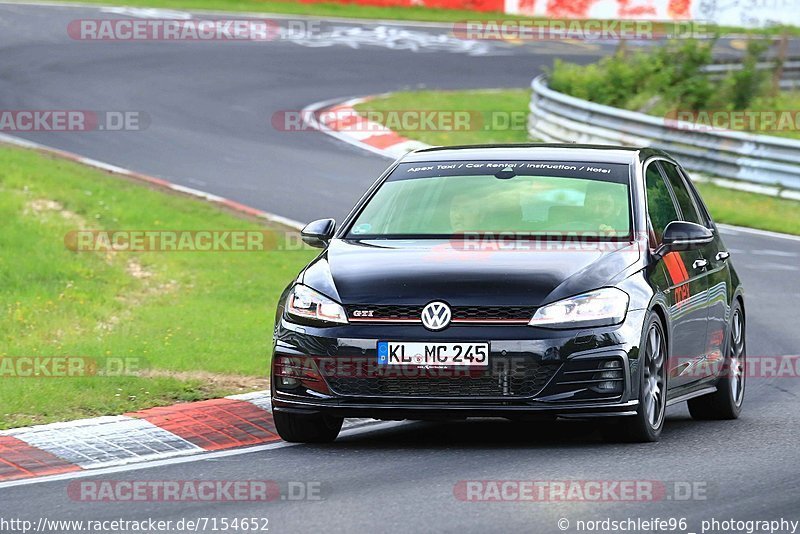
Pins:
<point x="602" y="209"/>
<point x="466" y="214"/>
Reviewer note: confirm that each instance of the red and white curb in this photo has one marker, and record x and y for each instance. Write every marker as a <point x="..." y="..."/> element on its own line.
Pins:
<point x="155" y="434"/>
<point x="152" y="180"/>
<point x="340" y="120"/>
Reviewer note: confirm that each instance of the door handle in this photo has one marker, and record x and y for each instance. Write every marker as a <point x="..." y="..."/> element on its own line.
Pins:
<point x="722" y="256"/>
<point x="700" y="264"/>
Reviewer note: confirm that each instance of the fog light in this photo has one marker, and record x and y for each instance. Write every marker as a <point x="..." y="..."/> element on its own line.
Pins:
<point x="287" y="372"/>
<point x="615" y="371"/>
<point x="288" y="382"/>
<point x="291" y="372"/>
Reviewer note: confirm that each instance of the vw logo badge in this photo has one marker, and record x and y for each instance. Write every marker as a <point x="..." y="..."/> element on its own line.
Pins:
<point x="436" y="316"/>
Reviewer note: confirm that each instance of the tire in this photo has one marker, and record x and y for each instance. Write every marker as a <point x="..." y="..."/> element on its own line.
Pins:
<point x="306" y="428"/>
<point x="646" y="425"/>
<point x="726" y="402"/>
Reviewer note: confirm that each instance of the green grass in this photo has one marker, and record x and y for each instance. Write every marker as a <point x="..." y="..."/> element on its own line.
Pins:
<point x="317" y="9"/>
<point x="355" y="11"/>
<point x="750" y="209"/>
<point x="492" y="116"/>
<point x="726" y="205"/>
<point x="785" y="101"/>
<point x="199" y="322"/>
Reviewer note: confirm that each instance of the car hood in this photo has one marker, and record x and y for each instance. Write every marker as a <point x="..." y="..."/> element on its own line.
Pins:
<point x="417" y="272"/>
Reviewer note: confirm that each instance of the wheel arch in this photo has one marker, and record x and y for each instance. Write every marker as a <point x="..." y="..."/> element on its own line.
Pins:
<point x="659" y="309"/>
<point x="739" y="296"/>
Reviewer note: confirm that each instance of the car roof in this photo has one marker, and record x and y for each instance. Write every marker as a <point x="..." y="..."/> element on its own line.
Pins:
<point x="535" y="151"/>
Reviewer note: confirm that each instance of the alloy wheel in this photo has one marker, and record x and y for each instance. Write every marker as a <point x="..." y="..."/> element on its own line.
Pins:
<point x="736" y="358"/>
<point x="654" y="377"/>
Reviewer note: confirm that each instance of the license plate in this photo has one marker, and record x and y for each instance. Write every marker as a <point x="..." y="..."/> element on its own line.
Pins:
<point x="437" y="354"/>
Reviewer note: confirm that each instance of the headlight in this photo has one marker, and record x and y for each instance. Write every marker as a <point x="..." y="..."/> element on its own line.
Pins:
<point x="305" y="303"/>
<point x="603" y="307"/>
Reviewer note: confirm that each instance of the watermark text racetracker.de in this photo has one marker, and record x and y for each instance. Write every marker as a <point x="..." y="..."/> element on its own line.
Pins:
<point x="580" y="491"/>
<point x="198" y="30"/>
<point x="756" y="367"/>
<point x="767" y="121"/>
<point x="70" y="366"/>
<point x="197" y="490"/>
<point x="165" y="240"/>
<point x="400" y="120"/>
<point x="546" y="29"/>
<point x="72" y="120"/>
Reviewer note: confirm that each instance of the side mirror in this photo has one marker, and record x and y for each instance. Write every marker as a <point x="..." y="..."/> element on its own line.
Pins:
<point x="318" y="233"/>
<point x="681" y="235"/>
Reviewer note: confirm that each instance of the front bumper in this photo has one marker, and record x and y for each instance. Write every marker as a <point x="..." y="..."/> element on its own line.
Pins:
<point x="573" y="361"/>
<point x="395" y="412"/>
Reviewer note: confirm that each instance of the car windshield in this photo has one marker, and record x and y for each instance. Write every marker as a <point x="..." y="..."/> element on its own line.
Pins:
<point x="530" y="198"/>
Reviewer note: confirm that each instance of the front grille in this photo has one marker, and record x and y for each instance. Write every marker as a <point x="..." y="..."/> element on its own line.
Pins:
<point x="368" y="312"/>
<point x="385" y="312"/>
<point x="493" y="312"/>
<point x="505" y="377"/>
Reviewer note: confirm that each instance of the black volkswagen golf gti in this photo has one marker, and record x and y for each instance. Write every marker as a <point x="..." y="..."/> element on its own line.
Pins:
<point x="525" y="282"/>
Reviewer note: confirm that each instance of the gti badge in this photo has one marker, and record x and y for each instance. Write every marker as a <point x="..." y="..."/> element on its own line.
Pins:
<point x="436" y="316"/>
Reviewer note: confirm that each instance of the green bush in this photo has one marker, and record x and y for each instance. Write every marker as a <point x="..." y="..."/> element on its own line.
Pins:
<point x="744" y="86"/>
<point x="680" y="78"/>
<point x="667" y="78"/>
<point x="611" y="81"/>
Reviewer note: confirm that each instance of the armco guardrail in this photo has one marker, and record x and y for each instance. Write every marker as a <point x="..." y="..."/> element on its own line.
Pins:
<point x="758" y="159"/>
<point x="790" y="71"/>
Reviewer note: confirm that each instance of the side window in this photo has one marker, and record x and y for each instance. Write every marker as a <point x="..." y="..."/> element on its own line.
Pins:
<point x="682" y="194"/>
<point x="660" y="206"/>
<point x="698" y="201"/>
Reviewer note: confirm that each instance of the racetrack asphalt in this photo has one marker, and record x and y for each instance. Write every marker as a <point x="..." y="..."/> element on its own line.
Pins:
<point x="209" y="106"/>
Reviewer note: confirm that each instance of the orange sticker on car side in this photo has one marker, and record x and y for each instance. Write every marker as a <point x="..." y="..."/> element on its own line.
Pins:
<point x="677" y="272"/>
<point x="676" y="268"/>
